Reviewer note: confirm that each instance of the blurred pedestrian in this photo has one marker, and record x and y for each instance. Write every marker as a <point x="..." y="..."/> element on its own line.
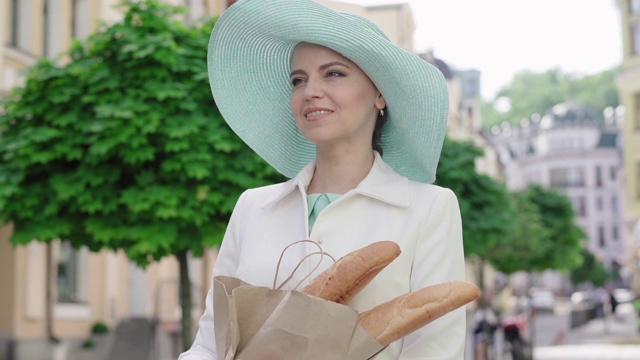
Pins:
<point x="486" y="323"/>
<point x="613" y="302"/>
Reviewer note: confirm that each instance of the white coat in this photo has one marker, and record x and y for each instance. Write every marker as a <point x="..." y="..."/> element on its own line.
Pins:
<point x="423" y="219"/>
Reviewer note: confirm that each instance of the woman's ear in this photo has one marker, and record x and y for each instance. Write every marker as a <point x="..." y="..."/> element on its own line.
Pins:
<point x="380" y="103"/>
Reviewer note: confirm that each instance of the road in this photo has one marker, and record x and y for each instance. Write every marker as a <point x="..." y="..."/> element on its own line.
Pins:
<point x="614" y="337"/>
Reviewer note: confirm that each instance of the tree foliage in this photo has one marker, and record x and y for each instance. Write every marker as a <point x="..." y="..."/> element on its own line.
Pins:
<point x="123" y="147"/>
<point x="532" y="93"/>
<point x="564" y="236"/>
<point x="590" y="271"/>
<point x="484" y="203"/>
<point x="528" y="230"/>
<point x="544" y="235"/>
<point x="526" y="245"/>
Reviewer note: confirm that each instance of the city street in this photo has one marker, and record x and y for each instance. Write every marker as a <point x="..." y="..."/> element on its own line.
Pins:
<point x="614" y="337"/>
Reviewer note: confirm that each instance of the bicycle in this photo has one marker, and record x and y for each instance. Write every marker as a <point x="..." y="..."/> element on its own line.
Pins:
<point x="515" y="346"/>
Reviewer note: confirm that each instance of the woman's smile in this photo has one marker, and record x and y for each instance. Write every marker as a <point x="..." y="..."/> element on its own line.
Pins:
<point x="314" y="113"/>
<point x="332" y="100"/>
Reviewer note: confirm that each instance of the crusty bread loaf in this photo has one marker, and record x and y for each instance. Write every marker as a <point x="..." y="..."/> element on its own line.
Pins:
<point x="401" y="316"/>
<point x="351" y="273"/>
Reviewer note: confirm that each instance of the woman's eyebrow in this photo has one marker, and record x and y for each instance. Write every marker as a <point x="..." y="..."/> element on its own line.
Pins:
<point x="322" y="67"/>
<point x="328" y="65"/>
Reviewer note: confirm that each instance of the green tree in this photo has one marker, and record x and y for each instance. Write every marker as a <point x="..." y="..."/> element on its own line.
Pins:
<point x="590" y="271"/>
<point x="483" y="201"/>
<point x="532" y="93"/>
<point x="564" y="236"/>
<point x="529" y="230"/>
<point x="484" y="204"/>
<point x="544" y="235"/>
<point x="526" y="245"/>
<point x="124" y="148"/>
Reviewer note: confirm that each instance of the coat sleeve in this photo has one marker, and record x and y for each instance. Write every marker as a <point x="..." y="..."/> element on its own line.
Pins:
<point x="438" y="258"/>
<point x="204" y="345"/>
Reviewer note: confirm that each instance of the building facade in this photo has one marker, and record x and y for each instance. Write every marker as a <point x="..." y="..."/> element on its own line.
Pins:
<point x="83" y="287"/>
<point x="394" y="19"/>
<point x="628" y="84"/>
<point x="578" y="153"/>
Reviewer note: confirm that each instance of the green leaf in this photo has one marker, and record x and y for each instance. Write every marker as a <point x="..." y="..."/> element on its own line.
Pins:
<point x="122" y="147"/>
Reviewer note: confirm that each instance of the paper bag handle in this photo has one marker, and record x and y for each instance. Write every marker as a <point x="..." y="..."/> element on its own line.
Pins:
<point x="321" y="253"/>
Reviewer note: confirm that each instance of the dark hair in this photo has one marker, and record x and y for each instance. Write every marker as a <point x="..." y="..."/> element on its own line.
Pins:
<point x="377" y="131"/>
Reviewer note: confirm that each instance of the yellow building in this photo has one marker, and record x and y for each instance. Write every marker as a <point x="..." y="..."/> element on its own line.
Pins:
<point x="85" y="287"/>
<point x="628" y="84"/>
<point x="395" y="19"/>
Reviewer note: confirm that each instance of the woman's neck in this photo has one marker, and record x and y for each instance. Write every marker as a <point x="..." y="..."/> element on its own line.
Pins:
<point x="340" y="170"/>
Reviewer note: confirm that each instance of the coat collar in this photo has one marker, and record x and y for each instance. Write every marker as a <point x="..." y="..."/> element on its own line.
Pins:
<point x="382" y="183"/>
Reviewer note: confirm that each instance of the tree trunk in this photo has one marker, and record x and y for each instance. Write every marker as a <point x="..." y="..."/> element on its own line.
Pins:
<point x="480" y="271"/>
<point x="482" y="351"/>
<point x="49" y="293"/>
<point x="185" y="300"/>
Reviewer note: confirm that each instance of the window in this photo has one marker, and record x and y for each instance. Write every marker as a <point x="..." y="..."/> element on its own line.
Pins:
<point x="582" y="206"/>
<point x="598" y="176"/>
<point x="599" y="203"/>
<point x="635" y="38"/>
<point x="20" y="26"/>
<point x="15" y="19"/>
<point x="71" y="279"/>
<point x="636" y="106"/>
<point x="614" y="233"/>
<point x="638" y="180"/>
<point x="613" y="173"/>
<point x="566" y="177"/>
<point x="614" y="204"/>
<point x="45" y="28"/>
<point x="79" y="19"/>
<point x="601" y="239"/>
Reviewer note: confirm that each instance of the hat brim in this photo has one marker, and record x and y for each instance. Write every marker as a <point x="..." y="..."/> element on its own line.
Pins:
<point x="248" y="63"/>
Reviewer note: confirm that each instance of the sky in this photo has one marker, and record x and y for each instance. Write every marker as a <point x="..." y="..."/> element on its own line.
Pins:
<point x="501" y="37"/>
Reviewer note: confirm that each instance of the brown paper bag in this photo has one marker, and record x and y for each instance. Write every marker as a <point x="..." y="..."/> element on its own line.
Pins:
<point x="258" y="323"/>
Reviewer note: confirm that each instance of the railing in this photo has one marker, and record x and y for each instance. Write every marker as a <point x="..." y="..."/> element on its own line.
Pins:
<point x="583" y="313"/>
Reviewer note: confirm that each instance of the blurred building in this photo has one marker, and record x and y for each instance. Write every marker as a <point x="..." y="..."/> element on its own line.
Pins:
<point x="395" y="19"/>
<point x="628" y="84"/>
<point x="575" y="151"/>
<point x="86" y="287"/>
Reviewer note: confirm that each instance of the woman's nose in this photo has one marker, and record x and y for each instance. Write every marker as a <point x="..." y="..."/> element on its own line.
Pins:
<point x="313" y="89"/>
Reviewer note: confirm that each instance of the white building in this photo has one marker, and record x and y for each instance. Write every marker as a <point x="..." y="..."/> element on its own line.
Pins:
<point x="577" y="152"/>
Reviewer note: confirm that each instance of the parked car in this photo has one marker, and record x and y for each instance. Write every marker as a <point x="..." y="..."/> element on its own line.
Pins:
<point x="623" y="295"/>
<point x="585" y="297"/>
<point x="542" y="299"/>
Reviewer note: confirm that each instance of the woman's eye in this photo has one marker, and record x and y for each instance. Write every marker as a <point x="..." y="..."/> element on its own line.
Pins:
<point x="334" y="73"/>
<point x="296" y="81"/>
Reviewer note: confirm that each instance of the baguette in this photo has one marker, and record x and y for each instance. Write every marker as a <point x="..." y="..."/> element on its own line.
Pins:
<point x="350" y="274"/>
<point x="399" y="317"/>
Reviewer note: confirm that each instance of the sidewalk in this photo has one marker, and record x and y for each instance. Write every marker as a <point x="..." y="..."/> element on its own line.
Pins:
<point x="614" y="338"/>
<point x="619" y="329"/>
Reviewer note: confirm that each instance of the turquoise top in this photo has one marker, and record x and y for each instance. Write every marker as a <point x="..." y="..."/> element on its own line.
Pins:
<point x="316" y="203"/>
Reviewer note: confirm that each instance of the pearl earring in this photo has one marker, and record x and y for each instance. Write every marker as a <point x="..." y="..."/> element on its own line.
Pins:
<point x="381" y="112"/>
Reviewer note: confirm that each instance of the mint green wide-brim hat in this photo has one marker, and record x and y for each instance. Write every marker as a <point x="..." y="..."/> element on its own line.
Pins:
<point x="248" y="63"/>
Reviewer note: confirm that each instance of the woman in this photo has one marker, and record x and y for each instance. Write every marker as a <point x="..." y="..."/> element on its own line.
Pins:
<point x="357" y="124"/>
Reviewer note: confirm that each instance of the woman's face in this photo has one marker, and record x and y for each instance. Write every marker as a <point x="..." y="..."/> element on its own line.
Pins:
<point x="332" y="100"/>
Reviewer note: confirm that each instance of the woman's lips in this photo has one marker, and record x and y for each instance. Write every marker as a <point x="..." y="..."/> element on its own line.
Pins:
<point x="315" y="114"/>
